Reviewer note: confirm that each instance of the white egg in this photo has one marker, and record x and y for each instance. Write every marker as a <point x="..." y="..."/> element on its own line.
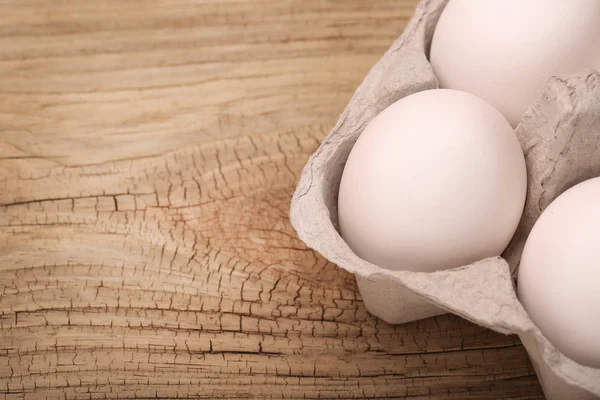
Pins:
<point x="505" y="51"/>
<point x="436" y="181"/>
<point x="559" y="273"/>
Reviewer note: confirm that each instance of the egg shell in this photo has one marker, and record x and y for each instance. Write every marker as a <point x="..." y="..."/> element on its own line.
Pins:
<point x="455" y="183"/>
<point x="561" y="140"/>
<point x="559" y="273"/>
<point x="504" y="51"/>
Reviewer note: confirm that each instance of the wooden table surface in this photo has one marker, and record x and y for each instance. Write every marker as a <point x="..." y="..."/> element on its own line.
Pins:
<point x="148" y="153"/>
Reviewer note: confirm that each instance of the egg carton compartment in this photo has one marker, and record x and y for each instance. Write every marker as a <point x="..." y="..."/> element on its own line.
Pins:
<point x="560" y="136"/>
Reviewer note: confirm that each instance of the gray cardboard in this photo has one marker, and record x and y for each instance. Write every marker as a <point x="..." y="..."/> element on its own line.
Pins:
<point x="560" y="136"/>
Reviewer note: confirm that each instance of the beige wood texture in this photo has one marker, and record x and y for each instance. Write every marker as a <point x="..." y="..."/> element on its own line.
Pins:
<point x="148" y="153"/>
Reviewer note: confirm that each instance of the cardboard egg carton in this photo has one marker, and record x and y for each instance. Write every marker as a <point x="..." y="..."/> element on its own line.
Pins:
<point x="560" y="136"/>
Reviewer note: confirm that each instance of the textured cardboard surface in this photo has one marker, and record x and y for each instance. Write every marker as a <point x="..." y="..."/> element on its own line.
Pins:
<point x="560" y="135"/>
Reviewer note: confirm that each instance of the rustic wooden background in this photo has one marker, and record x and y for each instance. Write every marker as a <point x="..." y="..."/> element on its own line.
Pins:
<point x="148" y="153"/>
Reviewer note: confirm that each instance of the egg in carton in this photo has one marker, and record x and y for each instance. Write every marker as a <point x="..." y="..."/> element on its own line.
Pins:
<point x="560" y="136"/>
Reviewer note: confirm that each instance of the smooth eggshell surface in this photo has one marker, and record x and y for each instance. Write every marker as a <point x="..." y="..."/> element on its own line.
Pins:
<point x="559" y="273"/>
<point x="436" y="181"/>
<point x="505" y="51"/>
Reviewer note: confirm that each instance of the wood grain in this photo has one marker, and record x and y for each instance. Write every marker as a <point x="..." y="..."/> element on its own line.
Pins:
<point x="148" y="153"/>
